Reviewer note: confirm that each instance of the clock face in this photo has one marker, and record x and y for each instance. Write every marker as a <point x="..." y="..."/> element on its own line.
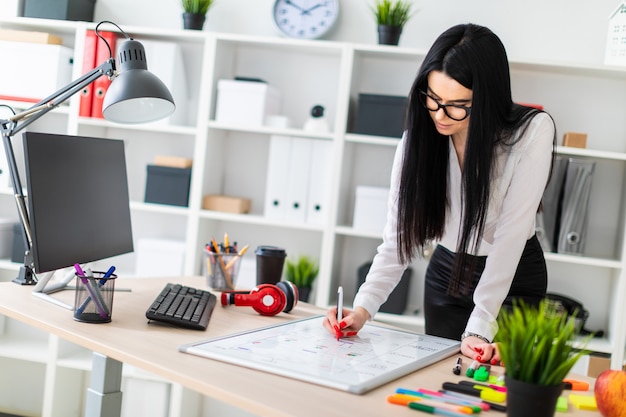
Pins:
<point x="305" y="19"/>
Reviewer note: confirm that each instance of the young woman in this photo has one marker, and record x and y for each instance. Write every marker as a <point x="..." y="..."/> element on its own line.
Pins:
<point x="469" y="175"/>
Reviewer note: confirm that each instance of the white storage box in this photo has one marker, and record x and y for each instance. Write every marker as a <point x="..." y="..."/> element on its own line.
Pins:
<point x="160" y="258"/>
<point x="32" y="71"/>
<point x="6" y="238"/>
<point x="11" y="8"/>
<point x="370" y="208"/>
<point x="246" y="102"/>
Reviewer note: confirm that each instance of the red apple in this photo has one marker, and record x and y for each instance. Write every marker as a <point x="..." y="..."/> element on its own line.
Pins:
<point x="610" y="393"/>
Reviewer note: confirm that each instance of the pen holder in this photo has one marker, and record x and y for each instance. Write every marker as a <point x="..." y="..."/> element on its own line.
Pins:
<point x="221" y="270"/>
<point x="93" y="302"/>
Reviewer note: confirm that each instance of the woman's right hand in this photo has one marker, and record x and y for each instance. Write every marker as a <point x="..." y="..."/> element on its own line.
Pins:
<point x="352" y="321"/>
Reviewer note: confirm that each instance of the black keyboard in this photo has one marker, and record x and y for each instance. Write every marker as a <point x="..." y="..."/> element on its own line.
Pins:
<point x="183" y="306"/>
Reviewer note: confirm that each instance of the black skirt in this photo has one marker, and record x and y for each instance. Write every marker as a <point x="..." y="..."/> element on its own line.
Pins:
<point x="447" y="315"/>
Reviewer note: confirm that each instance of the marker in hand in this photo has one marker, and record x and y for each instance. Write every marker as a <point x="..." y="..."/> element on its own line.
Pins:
<point x="339" y="309"/>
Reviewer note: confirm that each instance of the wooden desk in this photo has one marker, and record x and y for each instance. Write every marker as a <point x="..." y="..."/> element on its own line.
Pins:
<point x="153" y="347"/>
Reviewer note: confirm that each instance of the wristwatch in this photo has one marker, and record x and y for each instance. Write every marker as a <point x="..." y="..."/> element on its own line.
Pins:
<point x="468" y="334"/>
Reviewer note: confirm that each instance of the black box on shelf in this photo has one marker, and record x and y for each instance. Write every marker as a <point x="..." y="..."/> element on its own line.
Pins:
<point x="17" y="254"/>
<point x="60" y="9"/>
<point x="380" y="115"/>
<point x="168" y="185"/>
<point x="397" y="301"/>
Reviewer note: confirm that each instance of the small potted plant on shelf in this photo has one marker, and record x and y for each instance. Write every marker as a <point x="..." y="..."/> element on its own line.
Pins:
<point x="391" y="16"/>
<point x="536" y="344"/>
<point x="302" y="272"/>
<point x="195" y="12"/>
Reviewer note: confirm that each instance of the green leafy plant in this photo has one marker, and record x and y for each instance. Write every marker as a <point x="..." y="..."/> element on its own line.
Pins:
<point x="302" y="271"/>
<point x="392" y="12"/>
<point x="197" y="6"/>
<point x="536" y="343"/>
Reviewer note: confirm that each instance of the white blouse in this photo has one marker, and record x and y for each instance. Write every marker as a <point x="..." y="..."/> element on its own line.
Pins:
<point x="517" y="187"/>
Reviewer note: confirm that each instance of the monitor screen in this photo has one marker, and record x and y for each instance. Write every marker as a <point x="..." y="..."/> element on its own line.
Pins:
<point x="77" y="199"/>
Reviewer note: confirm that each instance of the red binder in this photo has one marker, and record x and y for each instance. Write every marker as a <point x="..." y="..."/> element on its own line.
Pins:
<point x="89" y="63"/>
<point x="101" y="84"/>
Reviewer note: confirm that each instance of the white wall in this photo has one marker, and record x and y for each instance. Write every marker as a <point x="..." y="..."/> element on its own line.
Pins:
<point x="566" y="31"/>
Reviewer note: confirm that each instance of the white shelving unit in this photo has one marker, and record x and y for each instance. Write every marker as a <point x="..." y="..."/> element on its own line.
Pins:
<point x="232" y="160"/>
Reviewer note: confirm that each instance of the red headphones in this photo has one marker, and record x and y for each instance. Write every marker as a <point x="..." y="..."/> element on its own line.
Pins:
<point x="266" y="299"/>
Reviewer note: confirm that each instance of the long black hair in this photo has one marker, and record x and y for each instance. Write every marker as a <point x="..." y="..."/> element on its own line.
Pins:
<point x="476" y="58"/>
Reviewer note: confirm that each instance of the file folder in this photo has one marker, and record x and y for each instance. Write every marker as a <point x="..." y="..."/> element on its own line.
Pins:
<point x="576" y="191"/>
<point x="319" y="182"/>
<point x="277" y="175"/>
<point x="298" y="179"/>
<point x="549" y="218"/>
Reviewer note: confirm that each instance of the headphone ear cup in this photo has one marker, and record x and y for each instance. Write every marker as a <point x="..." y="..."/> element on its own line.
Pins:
<point x="269" y="299"/>
<point x="291" y="294"/>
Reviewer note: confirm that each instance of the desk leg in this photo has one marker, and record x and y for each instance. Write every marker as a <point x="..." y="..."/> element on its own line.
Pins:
<point x="104" y="395"/>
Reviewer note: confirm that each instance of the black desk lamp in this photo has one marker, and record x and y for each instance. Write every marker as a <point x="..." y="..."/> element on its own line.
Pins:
<point x="134" y="96"/>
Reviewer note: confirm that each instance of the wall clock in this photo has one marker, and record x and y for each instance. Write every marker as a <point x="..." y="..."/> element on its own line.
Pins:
<point x="305" y="19"/>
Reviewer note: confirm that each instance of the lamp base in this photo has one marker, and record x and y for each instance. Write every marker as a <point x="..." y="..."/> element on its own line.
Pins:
<point x="25" y="277"/>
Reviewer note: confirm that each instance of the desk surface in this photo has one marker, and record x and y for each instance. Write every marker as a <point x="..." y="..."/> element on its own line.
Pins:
<point x="154" y="347"/>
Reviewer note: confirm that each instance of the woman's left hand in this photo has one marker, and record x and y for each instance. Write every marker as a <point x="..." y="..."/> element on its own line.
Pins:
<point x="476" y="349"/>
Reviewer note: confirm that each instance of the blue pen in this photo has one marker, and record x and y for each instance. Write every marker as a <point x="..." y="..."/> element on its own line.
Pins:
<point x="92" y="293"/>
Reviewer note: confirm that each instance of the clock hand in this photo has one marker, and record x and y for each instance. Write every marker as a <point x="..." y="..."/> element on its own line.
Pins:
<point x="308" y="11"/>
<point x="292" y="4"/>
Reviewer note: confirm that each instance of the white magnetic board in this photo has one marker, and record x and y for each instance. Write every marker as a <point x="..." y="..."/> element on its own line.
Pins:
<point x="304" y="350"/>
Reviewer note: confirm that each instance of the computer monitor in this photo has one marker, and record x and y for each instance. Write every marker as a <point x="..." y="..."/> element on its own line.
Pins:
<point x="78" y="203"/>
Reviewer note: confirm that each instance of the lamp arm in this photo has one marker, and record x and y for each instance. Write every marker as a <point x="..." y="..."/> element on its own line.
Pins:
<point x="11" y="126"/>
<point x="44" y="106"/>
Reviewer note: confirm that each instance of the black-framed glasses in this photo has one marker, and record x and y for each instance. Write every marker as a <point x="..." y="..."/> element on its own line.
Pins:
<point x="453" y="111"/>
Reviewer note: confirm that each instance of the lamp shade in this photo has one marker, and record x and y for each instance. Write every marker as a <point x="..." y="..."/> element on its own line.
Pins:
<point x="136" y="95"/>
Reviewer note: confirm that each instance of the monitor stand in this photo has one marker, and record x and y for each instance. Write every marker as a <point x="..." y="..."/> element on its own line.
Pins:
<point x="42" y="290"/>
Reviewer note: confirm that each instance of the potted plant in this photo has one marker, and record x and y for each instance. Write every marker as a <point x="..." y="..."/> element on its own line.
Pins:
<point x="391" y="16"/>
<point x="302" y="272"/>
<point x="195" y="13"/>
<point x="536" y="344"/>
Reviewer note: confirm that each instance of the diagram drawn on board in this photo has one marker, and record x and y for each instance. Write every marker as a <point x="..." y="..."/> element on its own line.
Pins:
<point x="304" y="350"/>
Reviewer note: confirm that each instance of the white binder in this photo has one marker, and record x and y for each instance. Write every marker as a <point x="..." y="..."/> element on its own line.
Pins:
<point x="298" y="179"/>
<point x="576" y="192"/>
<point x="319" y="182"/>
<point x="277" y="176"/>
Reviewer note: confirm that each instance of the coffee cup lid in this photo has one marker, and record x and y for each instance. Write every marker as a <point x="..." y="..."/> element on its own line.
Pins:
<point x="270" y="251"/>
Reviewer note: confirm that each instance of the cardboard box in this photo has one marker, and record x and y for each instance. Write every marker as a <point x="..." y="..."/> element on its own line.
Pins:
<point x="598" y="363"/>
<point x="167" y="185"/>
<point x="380" y="115"/>
<point x="47" y="68"/>
<point x="246" y="102"/>
<point x="31" y="37"/>
<point x="226" y="204"/>
<point x="370" y="208"/>
<point x="173" y="161"/>
<point x="575" y="140"/>
<point x="60" y="9"/>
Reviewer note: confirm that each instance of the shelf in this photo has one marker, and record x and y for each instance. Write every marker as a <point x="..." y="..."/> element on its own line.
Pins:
<point x="258" y="220"/>
<point x="583" y="260"/>
<point x="148" y="127"/>
<point x="617" y="156"/>
<point x="266" y="130"/>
